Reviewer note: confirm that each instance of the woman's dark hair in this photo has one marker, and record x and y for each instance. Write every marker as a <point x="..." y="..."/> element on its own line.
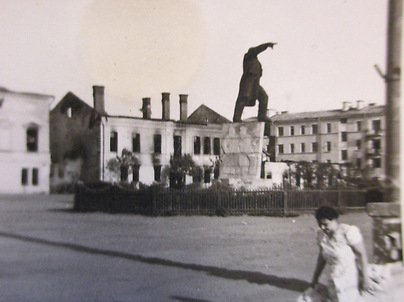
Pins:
<point x="326" y="212"/>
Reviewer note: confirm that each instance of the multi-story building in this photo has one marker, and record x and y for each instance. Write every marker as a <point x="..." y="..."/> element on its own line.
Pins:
<point x="24" y="142"/>
<point x="353" y="136"/>
<point x="84" y="140"/>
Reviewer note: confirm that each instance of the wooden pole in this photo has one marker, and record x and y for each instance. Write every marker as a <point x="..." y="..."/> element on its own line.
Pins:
<point x="393" y="98"/>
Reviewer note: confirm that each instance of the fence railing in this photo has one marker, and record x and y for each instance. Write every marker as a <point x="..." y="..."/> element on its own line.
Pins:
<point x="211" y="202"/>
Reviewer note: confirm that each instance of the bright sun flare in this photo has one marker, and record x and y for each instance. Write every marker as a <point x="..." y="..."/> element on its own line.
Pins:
<point x="136" y="48"/>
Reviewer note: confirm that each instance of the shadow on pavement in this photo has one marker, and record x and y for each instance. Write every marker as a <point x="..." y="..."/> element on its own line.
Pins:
<point x="252" y="277"/>
<point x="185" y="299"/>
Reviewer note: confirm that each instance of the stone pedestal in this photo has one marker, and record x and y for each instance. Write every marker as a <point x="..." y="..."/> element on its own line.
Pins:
<point x="387" y="234"/>
<point x="242" y="145"/>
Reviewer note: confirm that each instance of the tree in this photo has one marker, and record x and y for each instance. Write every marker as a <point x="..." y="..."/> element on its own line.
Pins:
<point x="179" y="168"/>
<point x="123" y="165"/>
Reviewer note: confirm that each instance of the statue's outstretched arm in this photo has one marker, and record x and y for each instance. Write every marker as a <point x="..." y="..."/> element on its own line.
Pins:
<point x="254" y="51"/>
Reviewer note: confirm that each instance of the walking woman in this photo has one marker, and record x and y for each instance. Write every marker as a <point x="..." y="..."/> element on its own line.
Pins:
<point x="342" y="261"/>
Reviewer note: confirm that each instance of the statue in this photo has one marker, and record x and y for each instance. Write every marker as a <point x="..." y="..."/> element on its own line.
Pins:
<point x="250" y="89"/>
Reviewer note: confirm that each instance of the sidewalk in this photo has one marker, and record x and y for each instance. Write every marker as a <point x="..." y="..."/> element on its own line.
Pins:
<point x="395" y="290"/>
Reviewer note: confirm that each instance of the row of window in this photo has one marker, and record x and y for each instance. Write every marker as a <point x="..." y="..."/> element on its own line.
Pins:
<point x="207" y="149"/>
<point x="314" y="147"/>
<point x="34" y="177"/>
<point x="197" y="177"/>
<point x="376" y="126"/>
<point x="376" y="145"/>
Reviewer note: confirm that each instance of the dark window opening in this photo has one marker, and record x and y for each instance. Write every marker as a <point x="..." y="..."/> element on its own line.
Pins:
<point x="135" y="173"/>
<point x="35" y="176"/>
<point x="177" y="146"/>
<point x="136" y="143"/>
<point x="344" y="154"/>
<point x="314" y="128"/>
<point x="113" y="142"/>
<point x="216" y="172"/>
<point x="157" y="173"/>
<point x="24" y="177"/>
<point x="376" y="125"/>
<point x="359" y="125"/>
<point x="124" y="173"/>
<point x="262" y="170"/>
<point x="32" y="139"/>
<point x="314" y="147"/>
<point x="329" y="128"/>
<point x="206" y="177"/>
<point x="344" y="136"/>
<point x="377" y="163"/>
<point x="197" y="175"/>
<point x="206" y="145"/>
<point x="302" y="129"/>
<point x="157" y="143"/>
<point x="280" y="147"/>
<point x="376" y="145"/>
<point x="216" y="146"/>
<point x="197" y="145"/>
<point x="280" y="131"/>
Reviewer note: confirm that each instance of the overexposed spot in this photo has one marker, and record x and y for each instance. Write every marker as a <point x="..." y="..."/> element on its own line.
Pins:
<point x="137" y="48"/>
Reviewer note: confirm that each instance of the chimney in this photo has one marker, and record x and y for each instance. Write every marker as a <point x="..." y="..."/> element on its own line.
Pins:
<point x="359" y="104"/>
<point x="166" y="106"/>
<point x="98" y="96"/>
<point x="183" y="107"/>
<point x="146" y="109"/>
<point x="346" y="106"/>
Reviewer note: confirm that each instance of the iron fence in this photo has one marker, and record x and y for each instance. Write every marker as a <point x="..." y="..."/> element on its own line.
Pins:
<point x="211" y="202"/>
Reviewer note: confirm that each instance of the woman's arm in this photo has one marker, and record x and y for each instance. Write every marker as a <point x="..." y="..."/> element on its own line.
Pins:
<point x="362" y="264"/>
<point x="319" y="269"/>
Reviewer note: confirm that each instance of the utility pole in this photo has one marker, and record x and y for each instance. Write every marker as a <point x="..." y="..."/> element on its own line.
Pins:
<point x="393" y="99"/>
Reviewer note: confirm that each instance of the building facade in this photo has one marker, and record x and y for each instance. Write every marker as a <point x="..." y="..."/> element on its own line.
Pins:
<point x="24" y="142"/>
<point x="352" y="136"/>
<point x="86" y="141"/>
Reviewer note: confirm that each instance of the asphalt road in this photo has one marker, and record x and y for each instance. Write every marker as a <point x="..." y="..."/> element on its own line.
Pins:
<point x="49" y="253"/>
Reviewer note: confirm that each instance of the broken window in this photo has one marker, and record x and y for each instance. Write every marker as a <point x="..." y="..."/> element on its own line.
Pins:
<point x="206" y="145"/>
<point x="197" y="145"/>
<point x="136" y="142"/>
<point x="177" y="146"/>
<point x="32" y="139"/>
<point x="113" y="142"/>
<point x="157" y="143"/>
<point x="216" y="146"/>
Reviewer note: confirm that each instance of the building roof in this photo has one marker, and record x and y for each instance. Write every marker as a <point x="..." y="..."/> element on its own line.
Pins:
<point x="205" y="115"/>
<point x="330" y="114"/>
<point x="71" y="100"/>
<point x="28" y="94"/>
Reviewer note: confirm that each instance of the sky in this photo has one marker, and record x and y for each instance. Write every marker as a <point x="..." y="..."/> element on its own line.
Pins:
<point x="325" y="54"/>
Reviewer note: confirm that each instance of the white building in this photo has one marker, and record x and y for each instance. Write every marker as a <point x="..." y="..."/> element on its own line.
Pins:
<point x="24" y="142"/>
<point x="351" y="136"/>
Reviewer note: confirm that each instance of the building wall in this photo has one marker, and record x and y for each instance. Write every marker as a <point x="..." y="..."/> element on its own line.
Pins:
<point x="23" y="168"/>
<point x="339" y="139"/>
<point x="127" y="127"/>
<point x="75" y="142"/>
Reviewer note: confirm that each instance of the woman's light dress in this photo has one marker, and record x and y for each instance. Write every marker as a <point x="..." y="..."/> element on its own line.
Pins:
<point x="341" y="273"/>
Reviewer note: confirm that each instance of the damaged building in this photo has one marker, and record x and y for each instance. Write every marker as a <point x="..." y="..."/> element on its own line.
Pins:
<point x="85" y="140"/>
